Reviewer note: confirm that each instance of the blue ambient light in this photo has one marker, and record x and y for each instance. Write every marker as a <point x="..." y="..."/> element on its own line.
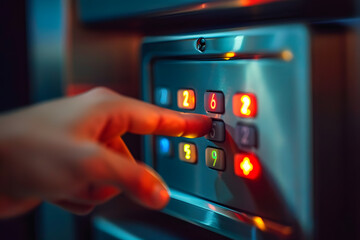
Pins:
<point x="164" y="146"/>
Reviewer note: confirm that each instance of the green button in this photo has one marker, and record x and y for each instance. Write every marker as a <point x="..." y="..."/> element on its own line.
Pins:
<point x="215" y="158"/>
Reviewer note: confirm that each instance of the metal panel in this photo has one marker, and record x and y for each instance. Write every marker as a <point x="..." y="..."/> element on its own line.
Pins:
<point x="273" y="63"/>
<point x="106" y="9"/>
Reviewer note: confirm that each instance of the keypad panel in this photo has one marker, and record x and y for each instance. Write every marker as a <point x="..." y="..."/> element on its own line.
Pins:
<point x="248" y="134"/>
<point x="266" y="141"/>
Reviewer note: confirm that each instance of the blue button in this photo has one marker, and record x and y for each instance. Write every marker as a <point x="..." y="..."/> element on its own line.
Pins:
<point x="164" y="147"/>
<point x="162" y="97"/>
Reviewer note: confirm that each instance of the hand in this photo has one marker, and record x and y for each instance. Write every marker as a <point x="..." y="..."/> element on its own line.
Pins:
<point x="70" y="152"/>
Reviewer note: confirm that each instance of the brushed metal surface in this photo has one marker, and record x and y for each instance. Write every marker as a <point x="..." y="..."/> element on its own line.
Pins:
<point x="271" y="62"/>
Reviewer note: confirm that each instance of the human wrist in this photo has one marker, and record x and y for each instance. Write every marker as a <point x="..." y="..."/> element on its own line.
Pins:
<point x="7" y="127"/>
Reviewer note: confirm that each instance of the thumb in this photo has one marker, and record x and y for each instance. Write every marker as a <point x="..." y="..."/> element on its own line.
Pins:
<point x="138" y="181"/>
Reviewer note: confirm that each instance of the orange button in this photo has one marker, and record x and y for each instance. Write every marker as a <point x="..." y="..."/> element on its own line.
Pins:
<point x="247" y="166"/>
<point x="186" y="99"/>
<point x="244" y="105"/>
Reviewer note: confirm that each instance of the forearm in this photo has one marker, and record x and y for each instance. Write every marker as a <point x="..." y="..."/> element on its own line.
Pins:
<point x="4" y="139"/>
<point x="10" y="206"/>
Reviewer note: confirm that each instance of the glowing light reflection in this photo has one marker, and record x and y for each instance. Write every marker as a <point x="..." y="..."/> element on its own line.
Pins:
<point x="246" y="166"/>
<point x="238" y="43"/>
<point x="212" y="207"/>
<point x="229" y="55"/>
<point x="259" y="223"/>
<point x="287" y="55"/>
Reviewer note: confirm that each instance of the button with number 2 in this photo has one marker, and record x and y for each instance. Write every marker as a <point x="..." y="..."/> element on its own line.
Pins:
<point x="244" y="105"/>
<point x="245" y="136"/>
<point x="186" y="99"/>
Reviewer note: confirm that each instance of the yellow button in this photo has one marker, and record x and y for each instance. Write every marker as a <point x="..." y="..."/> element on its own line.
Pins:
<point x="187" y="152"/>
<point x="186" y="99"/>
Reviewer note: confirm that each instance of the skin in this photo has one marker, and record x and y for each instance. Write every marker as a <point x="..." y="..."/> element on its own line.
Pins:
<point x="69" y="152"/>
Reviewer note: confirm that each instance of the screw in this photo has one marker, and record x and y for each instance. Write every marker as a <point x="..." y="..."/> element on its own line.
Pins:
<point x="201" y="44"/>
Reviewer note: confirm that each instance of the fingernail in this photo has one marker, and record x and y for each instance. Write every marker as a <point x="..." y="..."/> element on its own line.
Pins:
<point x="159" y="196"/>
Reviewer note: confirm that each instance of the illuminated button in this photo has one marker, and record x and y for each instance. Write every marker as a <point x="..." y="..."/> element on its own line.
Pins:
<point x="214" y="102"/>
<point x="217" y="132"/>
<point x="186" y="99"/>
<point x="246" y="166"/>
<point x="215" y="158"/>
<point x="165" y="147"/>
<point x="187" y="152"/>
<point x="162" y="97"/>
<point x="245" y="136"/>
<point x="244" y="105"/>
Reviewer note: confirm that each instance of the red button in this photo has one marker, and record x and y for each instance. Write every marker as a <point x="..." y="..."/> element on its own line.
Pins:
<point x="214" y="102"/>
<point x="246" y="166"/>
<point x="244" y="105"/>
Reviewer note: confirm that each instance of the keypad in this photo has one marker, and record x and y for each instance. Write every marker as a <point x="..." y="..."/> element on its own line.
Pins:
<point x="244" y="105"/>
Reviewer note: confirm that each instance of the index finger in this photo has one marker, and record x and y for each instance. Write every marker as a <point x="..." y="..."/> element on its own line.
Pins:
<point x="124" y="114"/>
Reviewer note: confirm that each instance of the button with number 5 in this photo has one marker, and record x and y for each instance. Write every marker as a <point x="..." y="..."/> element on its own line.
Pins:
<point x="187" y="152"/>
<point x="217" y="132"/>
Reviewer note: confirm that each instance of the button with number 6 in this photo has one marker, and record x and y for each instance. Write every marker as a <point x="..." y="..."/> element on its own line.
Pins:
<point x="214" y="102"/>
